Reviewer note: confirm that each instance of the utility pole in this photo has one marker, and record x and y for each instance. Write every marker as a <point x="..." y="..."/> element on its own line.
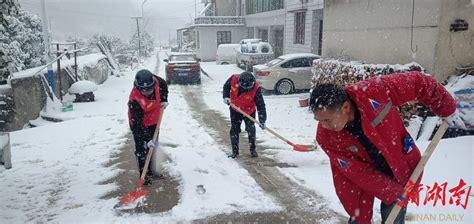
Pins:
<point x="46" y="42"/>
<point x="138" y="33"/>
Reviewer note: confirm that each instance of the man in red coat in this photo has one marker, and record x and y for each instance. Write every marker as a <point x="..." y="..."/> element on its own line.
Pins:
<point x="148" y="97"/>
<point x="242" y="91"/>
<point x="370" y="151"/>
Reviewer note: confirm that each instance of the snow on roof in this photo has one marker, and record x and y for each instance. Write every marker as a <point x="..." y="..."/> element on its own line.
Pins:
<point x="298" y="55"/>
<point x="82" y="61"/>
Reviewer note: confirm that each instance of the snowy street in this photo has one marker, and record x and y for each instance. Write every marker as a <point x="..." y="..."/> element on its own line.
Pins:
<point x="77" y="170"/>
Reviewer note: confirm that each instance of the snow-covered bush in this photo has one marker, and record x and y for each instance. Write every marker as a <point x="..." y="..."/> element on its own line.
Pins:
<point x="346" y="73"/>
<point x="24" y="45"/>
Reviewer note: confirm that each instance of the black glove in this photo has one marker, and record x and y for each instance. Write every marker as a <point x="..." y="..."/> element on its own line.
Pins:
<point x="262" y="125"/>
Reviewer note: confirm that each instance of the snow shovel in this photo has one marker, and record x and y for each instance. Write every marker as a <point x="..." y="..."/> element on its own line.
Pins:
<point x="418" y="169"/>
<point x="140" y="191"/>
<point x="296" y="147"/>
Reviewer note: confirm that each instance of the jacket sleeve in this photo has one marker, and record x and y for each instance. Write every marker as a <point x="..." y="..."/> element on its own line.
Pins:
<point x="363" y="174"/>
<point x="226" y="89"/>
<point x="137" y="117"/>
<point x="163" y="89"/>
<point x="262" y="111"/>
<point x="405" y="87"/>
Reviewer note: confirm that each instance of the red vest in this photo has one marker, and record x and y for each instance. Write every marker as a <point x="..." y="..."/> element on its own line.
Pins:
<point x="151" y="108"/>
<point x="244" y="101"/>
<point x="355" y="177"/>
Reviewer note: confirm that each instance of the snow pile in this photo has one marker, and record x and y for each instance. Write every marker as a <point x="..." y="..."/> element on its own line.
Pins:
<point x="81" y="87"/>
<point x="346" y="73"/>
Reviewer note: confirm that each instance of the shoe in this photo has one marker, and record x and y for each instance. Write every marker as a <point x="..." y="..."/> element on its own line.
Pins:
<point x="159" y="176"/>
<point x="147" y="182"/>
<point x="253" y="154"/>
<point x="233" y="155"/>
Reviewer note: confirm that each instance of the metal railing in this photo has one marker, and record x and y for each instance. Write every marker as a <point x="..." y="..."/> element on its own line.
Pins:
<point x="219" y="20"/>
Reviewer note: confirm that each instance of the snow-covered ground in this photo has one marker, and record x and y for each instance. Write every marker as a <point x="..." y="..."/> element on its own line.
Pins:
<point x="59" y="169"/>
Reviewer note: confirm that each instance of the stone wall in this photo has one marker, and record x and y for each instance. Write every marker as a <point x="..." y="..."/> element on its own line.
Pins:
<point x="28" y="94"/>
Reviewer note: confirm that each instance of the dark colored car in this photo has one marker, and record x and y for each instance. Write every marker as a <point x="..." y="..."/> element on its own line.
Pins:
<point x="183" y="68"/>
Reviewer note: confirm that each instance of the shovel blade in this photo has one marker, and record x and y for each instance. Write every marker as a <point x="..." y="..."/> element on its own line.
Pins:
<point x="301" y="148"/>
<point x="134" y="195"/>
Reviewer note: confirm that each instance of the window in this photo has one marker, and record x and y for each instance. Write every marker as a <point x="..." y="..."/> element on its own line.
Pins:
<point x="295" y="63"/>
<point x="258" y="6"/>
<point x="300" y="19"/>
<point x="223" y="37"/>
<point x="306" y="62"/>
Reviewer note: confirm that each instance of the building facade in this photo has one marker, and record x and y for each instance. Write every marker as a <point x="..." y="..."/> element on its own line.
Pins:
<point x="266" y="20"/>
<point x="304" y="26"/>
<point x="290" y="26"/>
<point x="399" y="32"/>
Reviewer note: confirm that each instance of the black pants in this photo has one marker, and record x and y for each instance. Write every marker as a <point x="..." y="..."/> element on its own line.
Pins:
<point x="142" y="137"/>
<point x="385" y="211"/>
<point x="236" y="120"/>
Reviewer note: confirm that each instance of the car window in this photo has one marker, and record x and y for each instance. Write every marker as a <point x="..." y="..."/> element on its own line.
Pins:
<point x="306" y="62"/>
<point x="296" y="63"/>
<point x="182" y="58"/>
<point x="286" y="64"/>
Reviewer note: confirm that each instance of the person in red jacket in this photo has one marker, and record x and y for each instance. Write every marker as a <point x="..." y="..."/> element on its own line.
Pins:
<point x="242" y="91"/>
<point x="370" y="151"/>
<point x="148" y="97"/>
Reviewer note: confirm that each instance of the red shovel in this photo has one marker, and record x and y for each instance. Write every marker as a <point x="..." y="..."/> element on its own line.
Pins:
<point x="140" y="191"/>
<point x="296" y="147"/>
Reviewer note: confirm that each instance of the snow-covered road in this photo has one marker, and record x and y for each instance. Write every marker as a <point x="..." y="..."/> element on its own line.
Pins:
<point x="59" y="170"/>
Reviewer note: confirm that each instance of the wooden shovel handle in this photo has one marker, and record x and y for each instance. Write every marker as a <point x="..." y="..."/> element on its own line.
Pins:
<point x="257" y="122"/>
<point x="419" y="168"/>
<point x="150" y="149"/>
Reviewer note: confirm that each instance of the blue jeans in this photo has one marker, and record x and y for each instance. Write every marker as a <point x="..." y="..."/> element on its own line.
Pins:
<point x="385" y="211"/>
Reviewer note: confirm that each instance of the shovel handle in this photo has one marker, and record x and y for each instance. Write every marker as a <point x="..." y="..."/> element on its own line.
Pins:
<point x="419" y="168"/>
<point x="150" y="149"/>
<point x="257" y="122"/>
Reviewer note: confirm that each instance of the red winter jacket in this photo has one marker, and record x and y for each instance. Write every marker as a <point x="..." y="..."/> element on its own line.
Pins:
<point x="355" y="178"/>
<point x="151" y="108"/>
<point x="245" y="101"/>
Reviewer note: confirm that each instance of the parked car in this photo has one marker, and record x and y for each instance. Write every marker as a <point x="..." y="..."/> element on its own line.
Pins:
<point x="183" y="68"/>
<point x="286" y="73"/>
<point x="253" y="52"/>
<point x="227" y="54"/>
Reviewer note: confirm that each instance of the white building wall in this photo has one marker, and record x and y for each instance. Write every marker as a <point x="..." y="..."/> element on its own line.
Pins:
<point x="292" y="5"/>
<point x="382" y="32"/>
<point x="207" y="48"/>
<point x="265" y="19"/>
